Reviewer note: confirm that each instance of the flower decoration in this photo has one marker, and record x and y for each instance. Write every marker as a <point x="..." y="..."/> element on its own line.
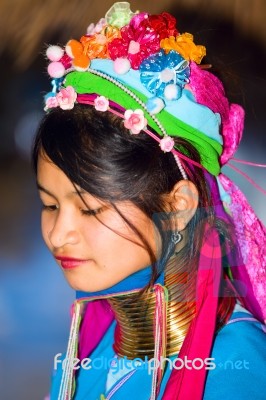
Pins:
<point x="164" y="24"/>
<point x="148" y="43"/>
<point x="79" y="60"/>
<point x="167" y="144"/>
<point x="164" y="75"/>
<point x="138" y="41"/>
<point x="96" y="46"/>
<point x="101" y="103"/>
<point x="135" y="121"/>
<point x="66" y="98"/>
<point x="119" y="14"/>
<point x="96" y="28"/>
<point x="185" y="46"/>
<point x="50" y="102"/>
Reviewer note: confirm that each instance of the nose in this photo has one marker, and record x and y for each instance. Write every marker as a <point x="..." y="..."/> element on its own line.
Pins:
<point x="63" y="231"/>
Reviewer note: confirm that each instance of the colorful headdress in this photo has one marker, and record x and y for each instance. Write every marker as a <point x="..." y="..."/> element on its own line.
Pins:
<point x="139" y="67"/>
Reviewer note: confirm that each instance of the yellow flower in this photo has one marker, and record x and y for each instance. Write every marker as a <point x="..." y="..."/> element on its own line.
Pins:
<point x="185" y="46"/>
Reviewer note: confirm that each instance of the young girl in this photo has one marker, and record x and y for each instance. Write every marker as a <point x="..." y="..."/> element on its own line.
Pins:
<point x="164" y="252"/>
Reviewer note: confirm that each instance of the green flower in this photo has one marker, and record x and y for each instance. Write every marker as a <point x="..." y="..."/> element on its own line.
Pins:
<point x="119" y="14"/>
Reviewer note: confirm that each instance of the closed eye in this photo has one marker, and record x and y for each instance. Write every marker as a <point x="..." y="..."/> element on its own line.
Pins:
<point x="51" y="207"/>
<point x="92" y="212"/>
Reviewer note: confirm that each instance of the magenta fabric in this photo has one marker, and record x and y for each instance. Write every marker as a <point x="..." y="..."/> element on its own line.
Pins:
<point x="97" y="319"/>
<point x="250" y="267"/>
<point x="251" y="237"/>
<point x="248" y="259"/>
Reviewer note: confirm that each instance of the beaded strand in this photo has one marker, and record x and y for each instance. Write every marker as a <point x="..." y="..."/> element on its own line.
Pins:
<point x="143" y="105"/>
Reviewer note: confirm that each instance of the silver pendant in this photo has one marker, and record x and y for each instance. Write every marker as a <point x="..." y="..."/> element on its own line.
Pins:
<point x="176" y="237"/>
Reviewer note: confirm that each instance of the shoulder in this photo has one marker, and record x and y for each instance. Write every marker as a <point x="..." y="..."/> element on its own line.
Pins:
<point x="242" y="332"/>
<point x="239" y="354"/>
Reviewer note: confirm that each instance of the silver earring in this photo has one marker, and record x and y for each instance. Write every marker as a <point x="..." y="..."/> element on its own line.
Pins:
<point x="176" y="237"/>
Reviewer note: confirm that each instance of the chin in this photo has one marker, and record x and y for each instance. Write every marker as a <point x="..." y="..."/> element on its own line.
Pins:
<point x="90" y="288"/>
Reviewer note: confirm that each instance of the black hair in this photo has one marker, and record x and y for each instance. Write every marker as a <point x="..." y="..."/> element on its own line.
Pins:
<point x="99" y="155"/>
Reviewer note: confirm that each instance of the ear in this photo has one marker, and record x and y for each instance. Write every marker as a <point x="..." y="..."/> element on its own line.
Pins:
<point x="182" y="200"/>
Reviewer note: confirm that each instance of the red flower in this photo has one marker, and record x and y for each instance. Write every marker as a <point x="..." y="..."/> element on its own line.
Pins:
<point x="164" y="24"/>
<point x="138" y="41"/>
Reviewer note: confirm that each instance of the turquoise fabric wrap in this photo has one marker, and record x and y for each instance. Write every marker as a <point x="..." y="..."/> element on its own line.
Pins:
<point x="209" y="148"/>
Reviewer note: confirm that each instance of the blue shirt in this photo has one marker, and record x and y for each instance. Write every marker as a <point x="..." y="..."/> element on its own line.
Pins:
<point x="237" y="370"/>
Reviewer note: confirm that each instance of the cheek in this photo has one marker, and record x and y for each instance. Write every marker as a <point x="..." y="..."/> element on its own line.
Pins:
<point x="103" y="237"/>
<point x="121" y="240"/>
<point x="46" y="228"/>
<point x="113" y="232"/>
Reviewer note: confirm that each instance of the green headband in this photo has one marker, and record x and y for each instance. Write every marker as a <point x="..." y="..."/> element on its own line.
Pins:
<point x="208" y="148"/>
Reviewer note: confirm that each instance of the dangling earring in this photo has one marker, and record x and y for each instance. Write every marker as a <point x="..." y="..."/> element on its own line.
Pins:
<point x="176" y="237"/>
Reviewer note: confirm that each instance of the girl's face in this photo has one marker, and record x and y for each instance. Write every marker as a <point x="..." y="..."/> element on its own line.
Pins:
<point x="93" y="253"/>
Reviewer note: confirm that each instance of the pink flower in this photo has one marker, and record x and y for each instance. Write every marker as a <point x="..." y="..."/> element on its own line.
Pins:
<point x="51" y="102"/>
<point x="138" y="41"/>
<point x="66" y="98"/>
<point x="167" y="144"/>
<point x="101" y="103"/>
<point x="135" y="121"/>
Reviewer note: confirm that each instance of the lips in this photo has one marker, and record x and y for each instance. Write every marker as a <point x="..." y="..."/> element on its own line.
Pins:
<point x="69" y="262"/>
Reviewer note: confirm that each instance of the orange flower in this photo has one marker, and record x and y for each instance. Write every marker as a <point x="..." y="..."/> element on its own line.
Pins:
<point x="185" y="46"/>
<point x="96" y="46"/>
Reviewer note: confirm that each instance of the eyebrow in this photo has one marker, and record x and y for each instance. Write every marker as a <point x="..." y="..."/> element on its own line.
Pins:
<point x="42" y="189"/>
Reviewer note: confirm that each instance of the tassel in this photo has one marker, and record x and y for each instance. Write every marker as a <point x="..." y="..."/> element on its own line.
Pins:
<point x="66" y="386"/>
<point x="160" y="336"/>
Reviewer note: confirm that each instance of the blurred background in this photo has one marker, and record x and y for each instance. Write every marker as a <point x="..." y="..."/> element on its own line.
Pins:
<point x="34" y="298"/>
